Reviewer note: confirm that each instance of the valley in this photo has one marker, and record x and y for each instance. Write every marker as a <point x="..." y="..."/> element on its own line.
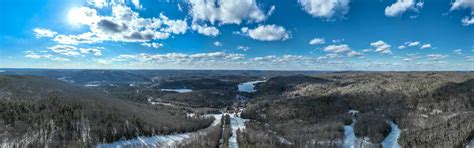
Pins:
<point x="236" y="109"/>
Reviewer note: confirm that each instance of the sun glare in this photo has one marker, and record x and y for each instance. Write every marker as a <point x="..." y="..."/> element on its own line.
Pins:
<point x="74" y="15"/>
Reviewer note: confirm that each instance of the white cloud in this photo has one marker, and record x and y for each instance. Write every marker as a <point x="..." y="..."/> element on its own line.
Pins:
<point x="402" y="47"/>
<point x="435" y="57"/>
<point x="136" y="3"/>
<point x="217" y="44"/>
<point x="366" y="50"/>
<point x="459" y="4"/>
<point x="226" y="11"/>
<point x="337" y="48"/>
<point x="457" y="51"/>
<point x="354" y="54"/>
<point x="267" y="33"/>
<point x="106" y="3"/>
<point x="87" y="37"/>
<point x="94" y="51"/>
<point x="243" y="48"/>
<point x="425" y="46"/>
<point x="41" y="32"/>
<point x="466" y="21"/>
<point x="411" y="44"/>
<point x="123" y="25"/>
<point x="470" y="58"/>
<point x="174" y="26"/>
<point x="69" y="50"/>
<point x="205" y="30"/>
<point x="464" y="4"/>
<point x="152" y="45"/>
<point x="317" y="41"/>
<point x="381" y="47"/>
<point x="401" y="6"/>
<point x="98" y="3"/>
<point x="62" y="48"/>
<point x="38" y="56"/>
<point x="325" y="8"/>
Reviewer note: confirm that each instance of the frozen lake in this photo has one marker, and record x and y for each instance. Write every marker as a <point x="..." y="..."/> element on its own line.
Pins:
<point x="178" y="90"/>
<point x="248" y="86"/>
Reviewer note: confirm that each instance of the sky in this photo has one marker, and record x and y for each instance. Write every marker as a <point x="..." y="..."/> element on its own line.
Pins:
<point x="372" y="35"/>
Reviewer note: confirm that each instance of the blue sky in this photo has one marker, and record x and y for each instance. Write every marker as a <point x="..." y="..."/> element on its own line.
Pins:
<point x="245" y="34"/>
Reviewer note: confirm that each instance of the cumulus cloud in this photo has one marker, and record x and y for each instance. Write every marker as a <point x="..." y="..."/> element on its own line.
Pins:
<point x="217" y="44"/>
<point x="152" y="45"/>
<point x="457" y="51"/>
<point x="69" y="50"/>
<point x="205" y="30"/>
<point x="466" y="21"/>
<point x="94" y="51"/>
<point x="107" y="3"/>
<point x="34" y="55"/>
<point x="464" y="4"/>
<point x="402" y="47"/>
<point x="41" y="32"/>
<point x="411" y="44"/>
<point x="470" y="58"/>
<point x="136" y="3"/>
<point x="325" y="8"/>
<point x="267" y="33"/>
<point x="337" y="48"/>
<point x="425" y="46"/>
<point x="123" y="25"/>
<point x="226" y="11"/>
<point x="381" y="47"/>
<point x="436" y="57"/>
<point x="401" y="6"/>
<point x="460" y="4"/>
<point x="354" y="54"/>
<point x="317" y="41"/>
<point x="65" y="50"/>
<point x="98" y="3"/>
<point x="243" y="48"/>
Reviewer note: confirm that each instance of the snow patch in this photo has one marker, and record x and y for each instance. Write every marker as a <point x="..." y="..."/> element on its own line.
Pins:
<point x="391" y="141"/>
<point x="470" y="144"/>
<point x="236" y="123"/>
<point x="349" y="135"/>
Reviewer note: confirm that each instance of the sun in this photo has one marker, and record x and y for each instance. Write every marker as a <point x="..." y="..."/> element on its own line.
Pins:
<point x="74" y="16"/>
<point x="82" y="16"/>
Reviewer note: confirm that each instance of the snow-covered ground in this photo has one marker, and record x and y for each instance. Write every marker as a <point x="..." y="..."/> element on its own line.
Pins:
<point x="235" y="123"/>
<point x="349" y="135"/>
<point x="160" y="140"/>
<point x="391" y="141"/>
<point x="178" y="90"/>
<point x="470" y="144"/>
<point x="248" y="86"/>
<point x="351" y="141"/>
